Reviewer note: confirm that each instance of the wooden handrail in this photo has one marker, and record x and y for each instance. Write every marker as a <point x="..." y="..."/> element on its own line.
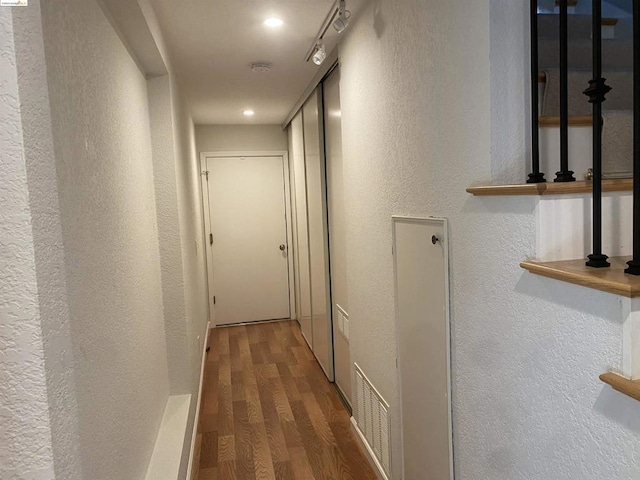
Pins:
<point x="622" y="384"/>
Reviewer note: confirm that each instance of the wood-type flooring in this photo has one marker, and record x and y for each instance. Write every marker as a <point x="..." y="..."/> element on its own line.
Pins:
<point x="268" y="411"/>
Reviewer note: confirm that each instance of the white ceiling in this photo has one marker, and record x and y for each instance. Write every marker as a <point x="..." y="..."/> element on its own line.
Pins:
<point x="213" y="42"/>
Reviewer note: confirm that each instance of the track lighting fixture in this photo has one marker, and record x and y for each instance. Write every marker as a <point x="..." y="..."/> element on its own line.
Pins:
<point x="340" y="23"/>
<point x="320" y="54"/>
<point x="338" y="17"/>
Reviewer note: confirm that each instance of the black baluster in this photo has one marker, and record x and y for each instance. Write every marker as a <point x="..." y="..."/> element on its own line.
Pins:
<point x="564" y="175"/>
<point x="634" y="264"/>
<point x="597" y="92"/>
<point x="535" y="176"/>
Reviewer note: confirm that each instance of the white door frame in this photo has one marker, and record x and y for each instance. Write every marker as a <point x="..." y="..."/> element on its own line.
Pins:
<point x="207" y="220"/>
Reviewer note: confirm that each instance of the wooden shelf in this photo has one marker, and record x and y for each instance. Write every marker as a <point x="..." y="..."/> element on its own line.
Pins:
<point x="611" y="280"/>
<point x="551" y="188"/>
<point x="622" y="384"/>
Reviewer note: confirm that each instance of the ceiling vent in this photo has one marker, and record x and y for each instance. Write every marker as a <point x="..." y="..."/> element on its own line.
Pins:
<point x="260" y="67"/>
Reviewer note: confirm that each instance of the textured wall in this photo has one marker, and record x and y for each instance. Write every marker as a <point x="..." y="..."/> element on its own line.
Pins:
<point x="47" y="236"/>
<point x="229" y="138"/>
<point x="527" y="351"/>
<point x="25" y="434"/>
<point x="166" y="190"/>
<point x="193" y="254"/>
<point x="177" y="178"/>
<point x="104" y="169"/>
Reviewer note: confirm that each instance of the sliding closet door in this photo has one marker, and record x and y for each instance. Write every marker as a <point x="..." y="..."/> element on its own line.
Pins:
<point x="318" y="231"/>
<point x="337" y="231"/>
<point x="301" y="242"/>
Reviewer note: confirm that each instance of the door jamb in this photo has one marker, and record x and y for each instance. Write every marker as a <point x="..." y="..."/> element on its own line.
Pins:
<point x="288" y="212"/>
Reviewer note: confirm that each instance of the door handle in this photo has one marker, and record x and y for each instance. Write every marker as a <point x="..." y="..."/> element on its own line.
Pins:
<point x="282" y="247"/>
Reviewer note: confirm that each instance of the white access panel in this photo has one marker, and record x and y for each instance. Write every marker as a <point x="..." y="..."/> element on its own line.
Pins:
<point x="420" y="247"/>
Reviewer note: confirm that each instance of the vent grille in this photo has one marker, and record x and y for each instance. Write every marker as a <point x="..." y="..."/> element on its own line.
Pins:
<point x="372" y="417"/>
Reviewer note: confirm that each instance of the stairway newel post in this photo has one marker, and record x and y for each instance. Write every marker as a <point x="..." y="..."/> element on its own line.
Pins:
<point x="634" y="264"/>
<point x="564" y="175"/>
<point x="536" y="176"/>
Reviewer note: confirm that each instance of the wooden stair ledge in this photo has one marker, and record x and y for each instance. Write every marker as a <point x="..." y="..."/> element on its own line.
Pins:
<point x="622" y="384"/>
<point x="574" y="121"/>
<point x="610" y="280"/>
<point x="551" y="188"/>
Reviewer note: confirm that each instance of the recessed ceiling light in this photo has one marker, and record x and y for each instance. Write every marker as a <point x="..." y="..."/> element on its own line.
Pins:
<point x="273" y="22"/>
<point x="248" y="113"/>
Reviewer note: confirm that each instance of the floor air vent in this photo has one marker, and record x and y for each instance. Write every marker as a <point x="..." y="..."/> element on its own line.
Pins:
<point x="372" y="417"/>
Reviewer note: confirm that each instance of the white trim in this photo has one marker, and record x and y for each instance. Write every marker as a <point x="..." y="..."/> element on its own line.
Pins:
<point x="288" y="212"/>
<point x="379" y="471"/>
<point x="197" y="414"/>
<point x="167" y="452"/>
<point x="204" y="189"/>
<point x="445" y="242"/>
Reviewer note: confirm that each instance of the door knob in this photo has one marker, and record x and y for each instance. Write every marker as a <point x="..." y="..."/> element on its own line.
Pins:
<point x="282" y="247"/>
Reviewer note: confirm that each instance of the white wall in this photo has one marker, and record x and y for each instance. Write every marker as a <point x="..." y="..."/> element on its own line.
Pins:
<point x="26" y="449"/>
<point x="180" y="217"/>
<point x="104" y="168"/>
<point x="527" y="351"/>
<point x="193" y="249"/>
<point x="166" y="192"/>
<point x="48" y="242"/>
<point x="236" y="138"/>
<point x="98" y="187"/>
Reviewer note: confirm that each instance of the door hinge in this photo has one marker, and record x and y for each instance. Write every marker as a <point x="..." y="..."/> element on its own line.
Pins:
<point x="206" y="174"/>
<point x="214" y="299"/>
<point x="211" y="239"/>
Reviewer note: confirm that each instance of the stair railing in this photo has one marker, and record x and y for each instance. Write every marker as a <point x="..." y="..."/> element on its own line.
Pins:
<point x="564" y="175"/>
<point x="597" y="92"/>
<point x="634" y="264"/>
<point x="536" y="176"/>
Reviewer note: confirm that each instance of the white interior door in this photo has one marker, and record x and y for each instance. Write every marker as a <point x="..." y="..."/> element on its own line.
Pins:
<point x="248" y="225"/>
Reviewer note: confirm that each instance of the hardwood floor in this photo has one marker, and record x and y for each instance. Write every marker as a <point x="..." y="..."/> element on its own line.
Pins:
<point x="268" y="411"/>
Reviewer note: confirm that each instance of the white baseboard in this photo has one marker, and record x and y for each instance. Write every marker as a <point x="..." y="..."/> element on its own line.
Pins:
<point x="377" y="468"/>
<point x="197" y="414"/>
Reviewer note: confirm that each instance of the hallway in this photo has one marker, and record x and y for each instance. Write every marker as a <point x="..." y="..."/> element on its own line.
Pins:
<point x="268" y="411"/>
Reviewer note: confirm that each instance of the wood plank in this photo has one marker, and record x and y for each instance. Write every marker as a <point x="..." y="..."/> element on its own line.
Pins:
<point x="209" y="474"/>
<point x="226" y="448"/>
<point x="622" y="384"/>
<point x="551" y="188"/>
<point x="262" y="462"/>
<point x="209" y="450"/>
<point x="611" y="280"/>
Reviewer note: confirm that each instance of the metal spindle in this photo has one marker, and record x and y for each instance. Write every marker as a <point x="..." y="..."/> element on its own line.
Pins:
<point x="597" y="94"/>
<point x="634" y="264"/>
<point x="535" y="176"/>
<point x="564" y="175"/>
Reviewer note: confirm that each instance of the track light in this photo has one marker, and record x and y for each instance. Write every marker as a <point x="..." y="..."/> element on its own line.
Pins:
<point x="340" y="23"/>
<point x="320" y="54"/>
<point x="338" y="16"/>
